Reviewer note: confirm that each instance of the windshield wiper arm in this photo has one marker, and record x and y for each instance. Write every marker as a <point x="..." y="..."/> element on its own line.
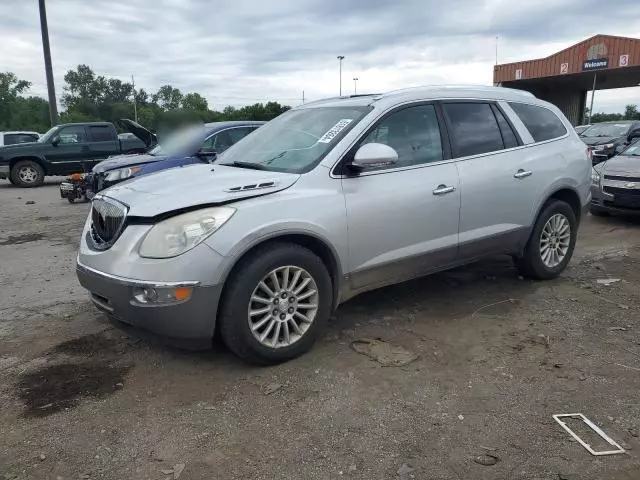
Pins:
<point x="252" y="166"/>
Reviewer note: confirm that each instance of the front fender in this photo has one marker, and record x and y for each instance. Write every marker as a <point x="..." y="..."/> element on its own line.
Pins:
<point x="268" y="233"/>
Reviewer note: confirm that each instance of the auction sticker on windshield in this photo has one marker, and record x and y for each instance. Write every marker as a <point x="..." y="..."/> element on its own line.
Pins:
<point x="335" y="130"/>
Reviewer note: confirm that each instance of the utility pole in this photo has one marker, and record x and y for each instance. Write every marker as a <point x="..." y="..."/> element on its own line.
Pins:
<point x="355" y="85"/>
<point x="340" y="58"/>
<point x="51" y="89"/>
<point x="303" y="97"/>
<point x="135" y="107"/>
<point x="496" y="50"/>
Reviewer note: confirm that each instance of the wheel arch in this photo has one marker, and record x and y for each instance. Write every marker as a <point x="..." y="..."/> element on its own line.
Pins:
<point x="567" y="195"/>
<point x="36" y="159"/>
<point x="314" y="243"/>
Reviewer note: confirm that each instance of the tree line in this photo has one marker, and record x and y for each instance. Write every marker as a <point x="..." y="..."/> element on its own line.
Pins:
<point x="89" y="97"/>
<point x="631" y="112"/>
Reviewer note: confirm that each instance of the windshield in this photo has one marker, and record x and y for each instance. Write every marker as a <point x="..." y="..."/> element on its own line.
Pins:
<point x="47" y="136"/>
<point x="295" y="141"/>
<point x="185" y="141"/>
<point x="606" y="130"/>
<point x="633" y="149"/>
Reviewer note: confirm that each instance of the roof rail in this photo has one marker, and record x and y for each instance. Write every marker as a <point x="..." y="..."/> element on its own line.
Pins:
<point x="457" y="87"/>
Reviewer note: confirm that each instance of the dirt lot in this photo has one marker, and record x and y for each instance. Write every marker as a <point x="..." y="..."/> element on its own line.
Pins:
<point x="497" y="357"/>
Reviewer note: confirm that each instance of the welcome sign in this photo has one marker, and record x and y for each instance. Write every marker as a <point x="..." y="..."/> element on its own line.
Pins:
<point x="595" y="64"/>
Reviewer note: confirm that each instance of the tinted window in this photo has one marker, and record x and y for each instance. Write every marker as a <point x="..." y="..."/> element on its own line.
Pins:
<point x="223" y="140"/>
<point x="474" y="128"/>
<point x="72" y="134"/>
<point x="542" y="123"/>
<point x="14" y="138"/>
<point x="102" y="133"/>
<point x="508" y="136"/>
<point x="238" y="134"/>
<point x="412" y="132"/>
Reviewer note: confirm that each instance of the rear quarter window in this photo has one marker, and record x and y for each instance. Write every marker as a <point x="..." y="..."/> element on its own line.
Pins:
<point x="541" y="122"/>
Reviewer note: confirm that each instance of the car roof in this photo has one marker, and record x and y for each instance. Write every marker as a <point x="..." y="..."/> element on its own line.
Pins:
<point x="215" y="126"/>
<point x="427" y="93"/>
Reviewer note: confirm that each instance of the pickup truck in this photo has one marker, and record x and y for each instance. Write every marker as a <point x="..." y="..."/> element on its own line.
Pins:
<point x="70" y="148"/>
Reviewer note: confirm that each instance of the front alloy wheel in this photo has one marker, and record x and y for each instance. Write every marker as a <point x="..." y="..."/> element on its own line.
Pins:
<point x="276" y="303"/>
<point x="283" y="306"/>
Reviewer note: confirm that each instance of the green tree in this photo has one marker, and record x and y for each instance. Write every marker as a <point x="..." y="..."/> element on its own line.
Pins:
<point x="10" y="88"/>
<point x="631" y="112"/>
<point x="168" y="97"/>
<point x="195" y="102"/>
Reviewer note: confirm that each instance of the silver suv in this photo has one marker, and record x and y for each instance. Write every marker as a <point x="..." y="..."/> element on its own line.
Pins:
<point x="331" y="199"/>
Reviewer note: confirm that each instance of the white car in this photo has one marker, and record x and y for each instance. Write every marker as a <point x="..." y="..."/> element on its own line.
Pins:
<point x="12" y="138"/>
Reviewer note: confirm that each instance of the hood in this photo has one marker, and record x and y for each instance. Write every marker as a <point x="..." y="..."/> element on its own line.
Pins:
<point x="122" y="161"/>
<point x="599" y="140"/>
<point x="193" y="185"/>
<point x="148" y="138"/>
<point x="625" y="165"/>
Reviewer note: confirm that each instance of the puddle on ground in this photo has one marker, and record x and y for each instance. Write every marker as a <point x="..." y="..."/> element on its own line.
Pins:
<point x="19" y="239"/>
<point x="56" y="387"/>
<point x="89" y="345"/>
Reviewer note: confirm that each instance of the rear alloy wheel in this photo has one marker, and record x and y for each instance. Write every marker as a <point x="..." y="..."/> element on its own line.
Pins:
<point x="276" y="304"/>
<point x="27" y="173"/>
<point x="551" y="243"/>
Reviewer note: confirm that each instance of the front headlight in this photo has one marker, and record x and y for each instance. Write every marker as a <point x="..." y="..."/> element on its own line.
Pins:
<point x="595" y="176"/>
<point x="606" y="146"/>
<point x="177" y="235"/>
<point x="121" y="173"/>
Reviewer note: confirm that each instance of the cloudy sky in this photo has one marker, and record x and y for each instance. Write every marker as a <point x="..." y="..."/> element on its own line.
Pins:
<point x="243" y="51"/>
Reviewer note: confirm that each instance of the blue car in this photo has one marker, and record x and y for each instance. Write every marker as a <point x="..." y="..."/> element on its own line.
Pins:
<point x="194" y="144"/>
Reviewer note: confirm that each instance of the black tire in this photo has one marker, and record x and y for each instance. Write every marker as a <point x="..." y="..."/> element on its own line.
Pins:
<point x="234" y="322"/>
<point x="35" y="170"/>
<point x="531" y="264"/>
<point x="71" y="200"/>
<point x="597" y="212"/>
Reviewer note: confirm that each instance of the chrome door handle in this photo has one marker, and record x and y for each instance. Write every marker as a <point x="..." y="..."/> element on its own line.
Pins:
<point x="442" y="189"/>
<point x="522" y="174"/>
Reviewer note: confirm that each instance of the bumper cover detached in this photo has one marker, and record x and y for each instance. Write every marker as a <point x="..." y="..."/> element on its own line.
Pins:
<point x="190" y="323"/>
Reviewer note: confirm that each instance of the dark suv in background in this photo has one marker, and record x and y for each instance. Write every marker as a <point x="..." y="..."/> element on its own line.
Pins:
<point x="609" y="138"/>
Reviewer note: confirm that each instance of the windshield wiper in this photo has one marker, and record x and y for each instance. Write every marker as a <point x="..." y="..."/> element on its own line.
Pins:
<point x="252" y="166"/>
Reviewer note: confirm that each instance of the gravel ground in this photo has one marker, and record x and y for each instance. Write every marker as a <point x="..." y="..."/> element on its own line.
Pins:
<point x="497" y="356"/>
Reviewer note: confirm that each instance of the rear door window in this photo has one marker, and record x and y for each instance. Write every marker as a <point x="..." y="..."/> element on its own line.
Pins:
<point x="473" y="128"/>
<point x="541" y="122"/>
<point x="101" y="133"/>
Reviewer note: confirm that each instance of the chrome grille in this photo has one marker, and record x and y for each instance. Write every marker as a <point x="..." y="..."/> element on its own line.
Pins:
<point x="107" y="221"/>
<point x="622" y="178"/>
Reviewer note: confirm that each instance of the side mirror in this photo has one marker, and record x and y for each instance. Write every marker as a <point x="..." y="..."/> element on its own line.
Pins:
<point x="55" y="141"/>
<point x="373" y="155"/>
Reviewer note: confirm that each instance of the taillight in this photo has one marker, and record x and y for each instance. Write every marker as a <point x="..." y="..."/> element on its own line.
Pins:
<point x="589" y="153"/>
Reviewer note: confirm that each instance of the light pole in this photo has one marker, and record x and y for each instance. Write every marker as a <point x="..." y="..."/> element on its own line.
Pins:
<point x="53" y="107"/>
<point x="340" y="58"/>
<point x="355" y="85"/>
